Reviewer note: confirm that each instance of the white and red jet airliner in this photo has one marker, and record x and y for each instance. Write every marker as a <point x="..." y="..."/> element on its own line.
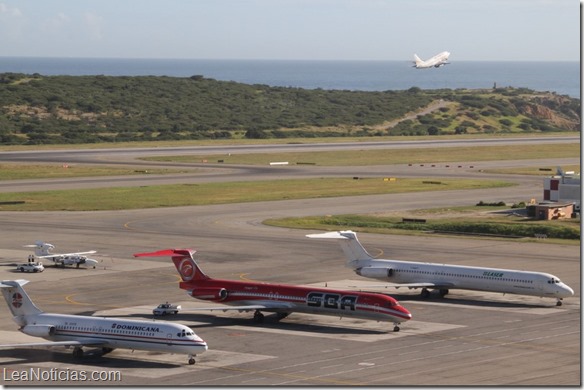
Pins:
<point x="280" y="298"/>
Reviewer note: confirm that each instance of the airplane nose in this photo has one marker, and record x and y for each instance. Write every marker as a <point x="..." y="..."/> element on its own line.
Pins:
<point x="406" y="313"/>
<point x="568" y="292"/>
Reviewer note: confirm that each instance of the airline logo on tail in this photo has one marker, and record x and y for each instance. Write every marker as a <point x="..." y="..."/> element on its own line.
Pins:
<point x="16" y="300"/>
<point x="185" y="268"/>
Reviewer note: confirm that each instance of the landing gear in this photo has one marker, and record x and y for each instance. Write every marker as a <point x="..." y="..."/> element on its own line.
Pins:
<point x="258" y="316"/>
<point x="443" y="292"/>
<point x="77" y="352"/>
<point x="281" y="316"/>
<point x="425" y="293"/>
<point x="191" y="360"/>
<point x="559" y="302"/>
<point x="396" y="327"/>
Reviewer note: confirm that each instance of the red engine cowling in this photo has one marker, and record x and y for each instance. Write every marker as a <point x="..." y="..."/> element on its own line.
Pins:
<point x="39" y="330"/>
<point x="210" y="294"/>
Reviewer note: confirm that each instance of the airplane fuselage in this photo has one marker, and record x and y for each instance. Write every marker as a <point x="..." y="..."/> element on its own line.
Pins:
<point x="464" y="277"/>
<point x="435" y="62"/>
<point x="301" y="299"/>
<point x="113" y="333"/>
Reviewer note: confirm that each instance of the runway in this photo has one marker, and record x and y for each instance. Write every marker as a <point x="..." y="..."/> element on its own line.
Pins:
<point x="467" y="338"/>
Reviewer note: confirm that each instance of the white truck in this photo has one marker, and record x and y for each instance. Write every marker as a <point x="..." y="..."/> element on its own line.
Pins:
<point x="31" y="267"/>
<point x="166" y="308"/>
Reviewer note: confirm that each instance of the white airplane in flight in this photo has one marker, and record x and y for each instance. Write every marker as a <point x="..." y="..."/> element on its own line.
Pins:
<point x="437" y="61"/>
<point x="108" y="333"/>
<point x="444" y="276"/>
<point x="44" y="250"/>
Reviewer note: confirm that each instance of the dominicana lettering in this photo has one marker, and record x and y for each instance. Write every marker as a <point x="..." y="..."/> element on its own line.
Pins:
<point x="331" y="301"/>
<point x="493" y="274"/>
<point x="139" y="328"/>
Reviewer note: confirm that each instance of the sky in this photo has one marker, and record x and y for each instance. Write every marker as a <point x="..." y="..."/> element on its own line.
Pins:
<point x="489" y="30"/>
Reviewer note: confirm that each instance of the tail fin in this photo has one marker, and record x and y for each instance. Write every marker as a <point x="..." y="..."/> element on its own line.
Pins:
<point x="417" y="60"/>
<point x="41" y="248"/>
<point x="183" y="261"/>
<point x="17" y="299"/>
<point x="350" y="245"/>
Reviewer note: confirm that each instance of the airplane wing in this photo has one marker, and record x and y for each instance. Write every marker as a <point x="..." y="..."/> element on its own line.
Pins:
<point x="66" y="254"/>
<point x="271" y="306"/>
<point x="414" y="285"/>
<point x="49" y="344"/>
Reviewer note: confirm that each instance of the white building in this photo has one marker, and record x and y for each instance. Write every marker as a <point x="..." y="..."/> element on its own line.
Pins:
<point x="563" y="187"/>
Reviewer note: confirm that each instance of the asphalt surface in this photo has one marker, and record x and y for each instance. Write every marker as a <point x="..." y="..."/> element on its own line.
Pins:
<point x="467" y="338"/>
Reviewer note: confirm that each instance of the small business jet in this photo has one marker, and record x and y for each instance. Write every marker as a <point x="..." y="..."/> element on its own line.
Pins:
<point x="435" y="62"/>
<point x="85" y="331"/>
<point x="43" y="250"/>
<point x="280" y="298"/>
<point x="443" y="277"/>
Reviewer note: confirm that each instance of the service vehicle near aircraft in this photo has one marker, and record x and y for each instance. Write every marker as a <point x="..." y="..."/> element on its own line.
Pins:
<point x="166" y="308"/>
<point x="30" y="267"/>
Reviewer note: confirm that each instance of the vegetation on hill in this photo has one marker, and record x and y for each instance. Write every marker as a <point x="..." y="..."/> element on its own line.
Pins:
<point x="37" y="109"/>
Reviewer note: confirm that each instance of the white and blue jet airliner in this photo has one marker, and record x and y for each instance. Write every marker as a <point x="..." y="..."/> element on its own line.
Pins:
<point x="443" y="277"/>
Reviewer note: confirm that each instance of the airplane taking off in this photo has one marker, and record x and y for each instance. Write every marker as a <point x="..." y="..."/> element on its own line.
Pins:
<point x="444" y="276"/>
<point x="437" y="61"/>
<point x="108" y="333"/>
<point x="280" y="298"/>
<point x="44" y="250"/>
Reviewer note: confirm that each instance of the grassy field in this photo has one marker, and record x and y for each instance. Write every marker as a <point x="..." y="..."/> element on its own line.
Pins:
<point x="391" y="156"/>
<point x="122" y="198"/>
<point x="10" y="171"/>
<point x="486" y="222"/>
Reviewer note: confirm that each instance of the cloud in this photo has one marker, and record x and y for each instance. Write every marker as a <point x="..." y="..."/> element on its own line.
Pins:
<point x="55" y="23"/>
<point x="94" y="24"/>
<point x="7" y="11"/>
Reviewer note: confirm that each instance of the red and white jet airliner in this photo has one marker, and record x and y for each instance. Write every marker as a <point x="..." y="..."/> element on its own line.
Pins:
<point x="280" y="298"/>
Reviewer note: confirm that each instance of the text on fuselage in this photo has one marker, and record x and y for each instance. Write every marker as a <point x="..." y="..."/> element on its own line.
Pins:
<point x="331" y="300"/>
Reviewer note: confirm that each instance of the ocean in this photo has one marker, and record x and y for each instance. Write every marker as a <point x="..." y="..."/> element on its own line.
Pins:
<point x="562" y="78"/>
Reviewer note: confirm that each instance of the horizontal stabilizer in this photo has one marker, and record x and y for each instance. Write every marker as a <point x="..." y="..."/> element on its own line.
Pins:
<point x="13" y="283"/>
<point x="167" y="252"/>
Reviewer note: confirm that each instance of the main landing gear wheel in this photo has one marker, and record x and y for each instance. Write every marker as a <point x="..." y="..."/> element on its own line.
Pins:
<point x="77" y="352"/>
<point x="281" y="316"/>
<point x="443" y="292"/>
<point x="258" y="316"/>
<point x="425" y="293"/>
<point x="191" y="360"/>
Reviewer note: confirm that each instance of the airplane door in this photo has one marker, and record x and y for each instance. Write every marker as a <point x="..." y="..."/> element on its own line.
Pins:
<point x="169" y="339"/>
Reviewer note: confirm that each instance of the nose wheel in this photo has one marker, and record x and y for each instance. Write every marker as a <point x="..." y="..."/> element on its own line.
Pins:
<point x="192" y="359"/>
<point x="396" y="327"/>
<point x="559" y="302"/>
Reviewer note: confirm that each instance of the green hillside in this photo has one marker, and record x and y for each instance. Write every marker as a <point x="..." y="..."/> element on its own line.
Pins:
<point x="37" y="109"/>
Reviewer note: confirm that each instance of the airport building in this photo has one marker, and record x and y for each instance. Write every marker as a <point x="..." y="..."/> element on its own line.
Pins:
<point x="562" y="187"/>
